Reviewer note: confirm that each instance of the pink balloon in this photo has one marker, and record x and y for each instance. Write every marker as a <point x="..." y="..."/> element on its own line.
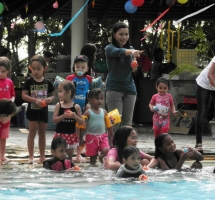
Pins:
<point x="39" y="25"/>
<point x="55" y="5"/>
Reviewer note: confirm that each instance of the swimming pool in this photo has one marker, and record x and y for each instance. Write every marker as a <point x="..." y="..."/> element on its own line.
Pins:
<point x="23" y="182"/>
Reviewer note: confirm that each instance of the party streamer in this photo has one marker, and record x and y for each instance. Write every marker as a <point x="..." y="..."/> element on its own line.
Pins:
<point x="192" y="14"/>
<point x="70" y="22"/>
<point x="161" y="15"/>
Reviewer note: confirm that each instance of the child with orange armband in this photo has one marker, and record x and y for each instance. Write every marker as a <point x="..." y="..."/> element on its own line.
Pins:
<point x="97" y="138"/>
<point x="131" y="167"/>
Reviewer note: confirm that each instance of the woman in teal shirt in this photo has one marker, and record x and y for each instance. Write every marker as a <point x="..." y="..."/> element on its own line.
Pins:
<point x="120" y="88"/>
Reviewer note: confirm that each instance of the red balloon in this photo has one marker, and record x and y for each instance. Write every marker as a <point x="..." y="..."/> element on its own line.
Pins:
<point x="137" y="2"/>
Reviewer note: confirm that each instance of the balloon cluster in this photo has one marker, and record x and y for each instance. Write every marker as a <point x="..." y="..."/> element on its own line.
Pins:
<point x="131" y="5"/>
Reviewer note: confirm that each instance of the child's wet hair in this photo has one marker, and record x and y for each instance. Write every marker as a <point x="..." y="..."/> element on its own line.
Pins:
<point x="5" y="62"/>
<point x="39" y="59"/>
<point x="94" y="93"/>
<point x="159" y="143"/>
<point x="57" y="142"/>
<point x="162" y="80"/>
<point x="120" y="139"/>
<point x="68" y="86"/>
<point x="7" y="107"/>
<point x="129" y="150"/>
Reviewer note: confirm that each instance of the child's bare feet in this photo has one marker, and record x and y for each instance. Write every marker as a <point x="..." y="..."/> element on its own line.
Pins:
<point x="5" y="160"/>
<point x="41" y="160"/>
<point x="79" y="159"/>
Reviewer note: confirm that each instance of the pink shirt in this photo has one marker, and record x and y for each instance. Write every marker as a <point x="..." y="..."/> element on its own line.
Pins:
<point x="113" y="153"/>
<point x="6" y="88"/>
<point x="164" y="104"/>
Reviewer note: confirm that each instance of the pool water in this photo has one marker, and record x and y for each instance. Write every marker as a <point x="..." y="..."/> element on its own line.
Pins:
<point x="30" y="182"/>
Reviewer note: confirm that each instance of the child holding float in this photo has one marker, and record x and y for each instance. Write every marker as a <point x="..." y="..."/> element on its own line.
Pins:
<point x="97" y="138"/>
<point x="59" y="161"/>
<point x="66" y="114"/>
<point x="161" y="104"/>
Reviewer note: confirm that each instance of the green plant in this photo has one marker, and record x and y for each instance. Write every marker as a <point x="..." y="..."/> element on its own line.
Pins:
<point x="184" y="68"/>
<point x="197" y="34"/>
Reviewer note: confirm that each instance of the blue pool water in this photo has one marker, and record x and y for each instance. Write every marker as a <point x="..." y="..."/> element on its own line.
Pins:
<point x="21" y="183"/>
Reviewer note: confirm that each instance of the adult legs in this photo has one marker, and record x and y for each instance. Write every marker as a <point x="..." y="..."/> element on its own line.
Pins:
<point x="113" y="101"/>
<point x="203" y="100"/>
<point x="128" y="109"/>
<point x="124" y="103"/>
<point x="42" y="139"/>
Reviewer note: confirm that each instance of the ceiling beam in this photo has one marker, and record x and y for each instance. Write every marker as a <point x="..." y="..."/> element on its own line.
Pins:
<point x="101" y="16"/>
<point x="33" y="7"/>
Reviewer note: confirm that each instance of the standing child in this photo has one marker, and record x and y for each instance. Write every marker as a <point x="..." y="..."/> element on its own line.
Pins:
<point x="168" y="157"/>
<point x="131" y="167"/>
<point x="82" y="82"/>
<point x="59" y="161"/>
<point x="38" y="92"/>
<point x="6" y="91"/>
<point x="7" y="110"/>
<point x="66" y="114"/>
<point x="96" y="137"/>
<point x="161" y="104"/>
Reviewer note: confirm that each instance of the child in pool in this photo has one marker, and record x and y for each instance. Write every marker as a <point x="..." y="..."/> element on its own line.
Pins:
<point x="7" y="110"/>
<point x="131" y="166"/>
<point x="124" y="136"/>
<point x="97" y="137"/>
<point x="161" y="104"/>
<point x="59" y="161"/>
<point x="168" y="157"/>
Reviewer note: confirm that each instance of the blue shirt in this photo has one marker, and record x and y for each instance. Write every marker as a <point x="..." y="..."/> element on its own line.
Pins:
<point x="119" y="70"/>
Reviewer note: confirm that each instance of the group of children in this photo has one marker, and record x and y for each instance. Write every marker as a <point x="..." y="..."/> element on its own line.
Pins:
<point x="39" y="92"/>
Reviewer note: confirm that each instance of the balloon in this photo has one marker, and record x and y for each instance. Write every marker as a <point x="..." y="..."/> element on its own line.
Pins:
<point x="129" y="7"/>
<point x="169" y="2"/>
<point x="137" y="2"/>
<point x="42" y="30"/>
<point x="39" y="26"/>
<point x="1" y="8"/>
<point x="55" y="5"/>
<point x="182" y="1"/>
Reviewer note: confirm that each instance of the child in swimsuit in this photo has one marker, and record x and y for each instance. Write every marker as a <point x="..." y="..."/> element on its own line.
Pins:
<point x="59" y="161"/>
<point x="168" y="157"/>
<point x="131" y="166"/>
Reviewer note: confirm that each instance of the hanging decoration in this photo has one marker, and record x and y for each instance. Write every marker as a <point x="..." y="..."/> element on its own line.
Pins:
<point x="1" y="8"/>
<point x="40" y="26"/>
<point x="192" y="14"/>
<point x="70" y="22"/>
<point x="26" y="7"/>
<point x="55" y="5"/>
<point x="137" y="3"/>
<point x="182" y="1"/>
<point x="93" y="3"/>
<point x="170" y="2"/>
<point x="158" y="18"/>
<point x="129" y="7"/>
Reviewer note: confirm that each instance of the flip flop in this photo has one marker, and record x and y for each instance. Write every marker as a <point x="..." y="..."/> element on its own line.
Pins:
<point x="199" y="148"/>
